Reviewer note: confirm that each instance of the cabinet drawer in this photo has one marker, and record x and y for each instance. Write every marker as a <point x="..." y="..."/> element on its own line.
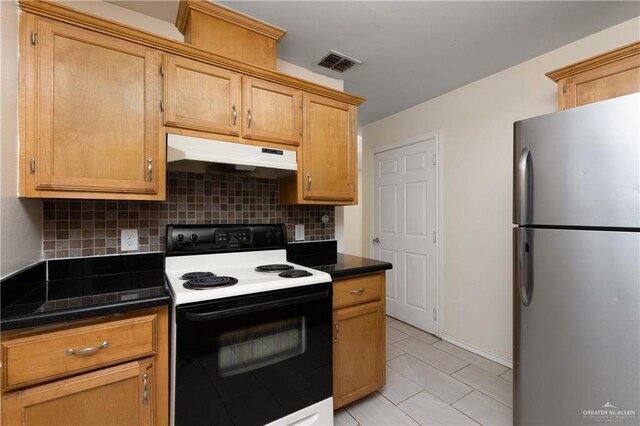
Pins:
<point x="52" y="355"/>
<point x="357" y="290"/>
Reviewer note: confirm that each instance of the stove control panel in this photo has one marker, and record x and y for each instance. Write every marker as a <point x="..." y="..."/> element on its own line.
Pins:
<point x="196" y="239"/>
<point x="233" y="236"/>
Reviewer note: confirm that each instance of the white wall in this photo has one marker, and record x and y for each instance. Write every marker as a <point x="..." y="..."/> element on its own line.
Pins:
<point x="20" y="220"/>
<point x="475" y="122"/>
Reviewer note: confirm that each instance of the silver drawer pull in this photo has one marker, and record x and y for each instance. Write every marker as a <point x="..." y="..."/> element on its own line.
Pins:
<point x="87" y="351"/>
<point x="357" y="291"/>
<point x="145" y="389"/>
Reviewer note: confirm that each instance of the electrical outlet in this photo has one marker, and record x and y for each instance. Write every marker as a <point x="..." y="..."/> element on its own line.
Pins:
<point x="299" y="233"/>
<point x="129" y="240"/>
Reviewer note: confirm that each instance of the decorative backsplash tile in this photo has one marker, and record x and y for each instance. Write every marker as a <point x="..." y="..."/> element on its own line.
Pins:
<point x="78" y="228"/>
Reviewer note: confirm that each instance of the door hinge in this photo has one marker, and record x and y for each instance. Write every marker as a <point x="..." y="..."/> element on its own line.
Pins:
<point x="435" y="315"/>
<point x="564" y="89"/>
<point x="162" y="106"/>
<point x="434" y="236"/>
<point x="32" y="166"/>
<point x="162" y="70"/>
<point x="33" y="38"/>
<point x="433" y="159"/>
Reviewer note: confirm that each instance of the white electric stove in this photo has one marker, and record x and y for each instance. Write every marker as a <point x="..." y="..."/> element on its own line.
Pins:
<point x="251" y="334"/>
<point x="241" y="266"/>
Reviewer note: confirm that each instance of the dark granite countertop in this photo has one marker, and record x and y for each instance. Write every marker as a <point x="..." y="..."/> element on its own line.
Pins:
<point x="323" y="257"/>
<point x="82" y="288"/>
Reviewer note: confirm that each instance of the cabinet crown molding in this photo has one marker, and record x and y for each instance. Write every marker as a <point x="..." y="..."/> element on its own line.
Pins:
<point x="595" y="61"/>
<point x="226" y="14"/>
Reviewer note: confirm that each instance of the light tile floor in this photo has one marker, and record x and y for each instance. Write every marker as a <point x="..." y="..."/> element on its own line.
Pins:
<point x="432" y="382"/>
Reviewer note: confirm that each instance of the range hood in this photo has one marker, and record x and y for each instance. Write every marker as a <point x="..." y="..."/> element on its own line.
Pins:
<point x="191" y="154"/>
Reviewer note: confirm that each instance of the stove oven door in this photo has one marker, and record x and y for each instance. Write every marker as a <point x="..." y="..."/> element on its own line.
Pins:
<point x="253" y="359"/>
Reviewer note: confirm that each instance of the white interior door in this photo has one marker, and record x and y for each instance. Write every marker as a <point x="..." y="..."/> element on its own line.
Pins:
<point x="405" y="205"/>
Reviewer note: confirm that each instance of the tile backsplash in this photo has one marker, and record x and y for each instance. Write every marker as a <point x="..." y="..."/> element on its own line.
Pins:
<point x="77" y="228"/>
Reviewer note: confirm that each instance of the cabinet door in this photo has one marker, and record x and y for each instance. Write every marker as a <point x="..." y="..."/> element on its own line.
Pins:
<point x="98" y="113"/>
<point x="329" y="150"/>
<point x="201" y="97"/>
<point x="272" y="112"/>
<point x="358" y="352"/>
<point x="616" y="79"/>
<point x="121" y="395"/>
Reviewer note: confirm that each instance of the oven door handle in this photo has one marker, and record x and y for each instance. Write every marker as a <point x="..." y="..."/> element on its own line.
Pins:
<point x="271" y="304"/>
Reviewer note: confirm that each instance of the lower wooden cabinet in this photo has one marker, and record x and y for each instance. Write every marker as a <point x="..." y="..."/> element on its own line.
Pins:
<point x="109" y="371"/>
<point x="359" y="338"/>
<point x="121" y="395"/>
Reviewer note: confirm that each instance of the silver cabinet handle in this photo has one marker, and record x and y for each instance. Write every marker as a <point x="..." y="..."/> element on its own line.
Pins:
<point x="249" y="118"/>
<point x="150" y="169"/>
<point x="235" y="115"/>
<point x="337" y="332"/>
<point x="32" y="166"/>
<point x="357" y="291"/>
<point x="87" y="351"/>
<point x="145" y="389"/>
<point x="308" y="182"/>
<point x="376" y="240"/>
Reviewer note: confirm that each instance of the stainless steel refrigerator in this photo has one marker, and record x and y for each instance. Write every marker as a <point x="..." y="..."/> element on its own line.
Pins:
<point x="576" y="265"/>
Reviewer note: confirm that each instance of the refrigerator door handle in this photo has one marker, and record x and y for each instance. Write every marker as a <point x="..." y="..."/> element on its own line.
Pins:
<point x="525" y="199"/>
<point x="524" y="271"/>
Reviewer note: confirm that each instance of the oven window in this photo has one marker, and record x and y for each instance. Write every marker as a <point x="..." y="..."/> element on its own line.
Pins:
<point x="260" y="345"/>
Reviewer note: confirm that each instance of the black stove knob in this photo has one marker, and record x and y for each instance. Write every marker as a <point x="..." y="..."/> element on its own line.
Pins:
<point x="180" y="238"/>
<point x="194" y="237"/>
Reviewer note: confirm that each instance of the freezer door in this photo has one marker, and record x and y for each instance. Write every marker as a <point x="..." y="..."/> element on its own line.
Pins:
<point x="576" y="327"/>
<point x="579" y="167"/>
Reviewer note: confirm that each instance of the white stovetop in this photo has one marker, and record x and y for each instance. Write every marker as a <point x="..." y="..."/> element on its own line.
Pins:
<point x="237" y="265"/>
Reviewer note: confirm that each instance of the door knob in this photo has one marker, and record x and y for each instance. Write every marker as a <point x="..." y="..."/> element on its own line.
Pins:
<point x="376" y="240"/>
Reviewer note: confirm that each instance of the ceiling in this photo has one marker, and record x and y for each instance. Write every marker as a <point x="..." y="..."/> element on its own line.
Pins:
<point x="416" y="50"/>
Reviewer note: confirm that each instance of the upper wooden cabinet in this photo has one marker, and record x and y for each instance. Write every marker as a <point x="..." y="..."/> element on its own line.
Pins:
<point x="97" y="99"/>
<point x="203" y="97"/>
<point x="614" y="73"/>
<point x="200" y="96"/>
<point x="327" y="162"/>
<point x="91" y="115"/>
<point x="272" y="112"/>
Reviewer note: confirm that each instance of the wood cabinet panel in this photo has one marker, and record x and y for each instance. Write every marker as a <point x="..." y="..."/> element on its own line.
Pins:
<point x="201" y="97"/>
<point x="329" y="150"/>
<point x="357" y="290"/>
<point x="272" y="112"/>
<point x="118" y="395"/>
<point x="609" y="75"/>
<point x="358" y="361"/>
<point x="33" y="355"/>
<point x="97" y="114"/>
<point x="45" y="356"/>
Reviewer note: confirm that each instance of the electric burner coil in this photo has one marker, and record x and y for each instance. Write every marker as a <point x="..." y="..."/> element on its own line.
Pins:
<point x="206" y="283"/>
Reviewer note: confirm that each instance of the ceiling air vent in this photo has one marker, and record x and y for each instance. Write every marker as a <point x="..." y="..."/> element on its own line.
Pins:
<point x="337" y="61"/>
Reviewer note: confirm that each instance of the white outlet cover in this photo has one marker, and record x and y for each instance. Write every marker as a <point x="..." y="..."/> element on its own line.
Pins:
<point x="128" y="240"/>
<point x="299" y="233"/>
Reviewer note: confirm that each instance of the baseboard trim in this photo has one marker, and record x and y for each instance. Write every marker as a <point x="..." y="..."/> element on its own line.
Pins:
<point x="476" y="350"/>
